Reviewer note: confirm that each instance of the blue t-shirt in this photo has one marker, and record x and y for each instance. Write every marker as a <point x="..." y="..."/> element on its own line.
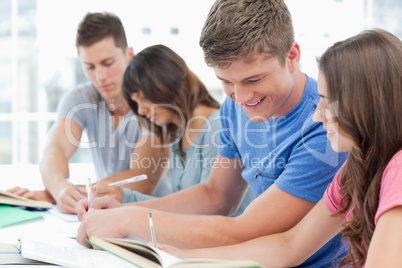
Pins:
<point x="291" y="151"/>
<point x="193" y="169"/>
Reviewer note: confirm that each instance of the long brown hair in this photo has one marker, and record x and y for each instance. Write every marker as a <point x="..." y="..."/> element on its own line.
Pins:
<point x="163" y="77"/>
<point x="364" y="79"/>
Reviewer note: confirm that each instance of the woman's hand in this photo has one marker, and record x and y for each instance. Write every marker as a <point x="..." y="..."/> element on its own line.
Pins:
<point x="101" y="189"/>
<point x="105" y="202"/>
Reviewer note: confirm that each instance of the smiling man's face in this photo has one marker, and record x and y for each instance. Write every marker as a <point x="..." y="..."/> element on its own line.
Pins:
<point x="261" y="87"/>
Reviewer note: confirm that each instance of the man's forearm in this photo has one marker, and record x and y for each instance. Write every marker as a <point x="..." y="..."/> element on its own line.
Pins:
<point x="185" y="231"/>
<point x="188" y="202"/>
<point x="53" y="168"/>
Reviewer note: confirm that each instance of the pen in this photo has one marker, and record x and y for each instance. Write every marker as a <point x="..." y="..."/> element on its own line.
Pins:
<point x="89" y="192"/>
<point x="72" y="184"/>
<point x="133" y="179"/>
<point x="151" y="224"/>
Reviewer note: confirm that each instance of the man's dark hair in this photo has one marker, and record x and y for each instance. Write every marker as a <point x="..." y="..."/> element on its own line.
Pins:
<point x="97" y="26"/>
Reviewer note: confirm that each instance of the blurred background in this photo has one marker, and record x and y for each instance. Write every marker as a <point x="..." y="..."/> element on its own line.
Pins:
<point x="38" y="59"/>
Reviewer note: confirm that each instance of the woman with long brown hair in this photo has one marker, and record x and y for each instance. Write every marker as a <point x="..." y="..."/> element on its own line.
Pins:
<point x="175" y="105"/>
<point x="360" y="85"/>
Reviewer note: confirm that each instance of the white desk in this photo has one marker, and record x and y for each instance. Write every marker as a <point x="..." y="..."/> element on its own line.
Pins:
<point x="49" y="226"/>
<point x="62" y="232"/>
<point x="28" y="176"/>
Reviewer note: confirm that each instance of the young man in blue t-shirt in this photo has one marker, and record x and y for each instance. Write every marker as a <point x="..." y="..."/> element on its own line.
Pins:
<point x="267" y="141"/>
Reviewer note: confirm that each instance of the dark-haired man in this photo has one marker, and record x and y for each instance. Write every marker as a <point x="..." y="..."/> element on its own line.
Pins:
<point x="99" y="108"/>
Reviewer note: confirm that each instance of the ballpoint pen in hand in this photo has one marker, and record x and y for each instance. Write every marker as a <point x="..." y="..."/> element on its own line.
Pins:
<point x="130" y="180"/>
<point x="89" y="192"/>
<point x="73" y="185"/>
<point x="151" y="225"/>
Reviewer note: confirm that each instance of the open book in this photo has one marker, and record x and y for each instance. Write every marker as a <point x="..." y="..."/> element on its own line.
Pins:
<point x="68" y="253"/>
<point x="142" y="255"/>
<point x="8" y="198"/>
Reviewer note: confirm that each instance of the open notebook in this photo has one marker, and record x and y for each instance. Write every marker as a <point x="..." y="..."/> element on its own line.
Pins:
<point x="142" y="255"/>
<point x="67" y="252"/>
<point x="8" y="198"/>
<point x="131" y="253"/>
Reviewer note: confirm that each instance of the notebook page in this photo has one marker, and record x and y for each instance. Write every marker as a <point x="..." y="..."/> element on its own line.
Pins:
<point x="68" y="252"/>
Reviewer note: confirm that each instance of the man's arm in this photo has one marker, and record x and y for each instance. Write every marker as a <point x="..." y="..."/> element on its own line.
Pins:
<point x="221" y="194"/>
<point x="148" y="151"/>
<point x="285" y="249"/>
<point x="63" y="140"/>
<point x="34" y="195"/>
<point x="272" y="212"/>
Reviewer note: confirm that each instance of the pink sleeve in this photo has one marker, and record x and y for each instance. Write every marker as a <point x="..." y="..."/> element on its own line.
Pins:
<point x="332" y="196"/>
<point x="391" y="186"/>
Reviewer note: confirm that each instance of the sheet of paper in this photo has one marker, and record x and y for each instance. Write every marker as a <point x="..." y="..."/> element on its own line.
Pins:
<point x="167" y="258"/>
<point x="67" y="217"/>
<point x="68" y="252"/>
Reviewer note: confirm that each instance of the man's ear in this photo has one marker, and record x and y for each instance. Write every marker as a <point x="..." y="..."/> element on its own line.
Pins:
<point x="130" y="52"/>
<point x="293" y="57"/>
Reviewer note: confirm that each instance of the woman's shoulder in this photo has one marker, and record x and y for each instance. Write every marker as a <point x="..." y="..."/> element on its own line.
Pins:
<point x="203" y="114"/>
<point x="393" y="169"/>
<point x="396" y="160"/>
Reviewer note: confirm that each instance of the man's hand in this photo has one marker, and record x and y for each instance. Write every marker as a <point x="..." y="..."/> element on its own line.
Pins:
<point x="101" y="189"/>
<point x="41" y="195"/>
<point x="68" y="198"/>
<point x="105" y="202"/>
<point x="102" y="223"/>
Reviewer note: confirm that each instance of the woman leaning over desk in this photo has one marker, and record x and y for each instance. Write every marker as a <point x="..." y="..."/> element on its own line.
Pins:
<point x="176" y="106"/>
<point x="360" y="85"/>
